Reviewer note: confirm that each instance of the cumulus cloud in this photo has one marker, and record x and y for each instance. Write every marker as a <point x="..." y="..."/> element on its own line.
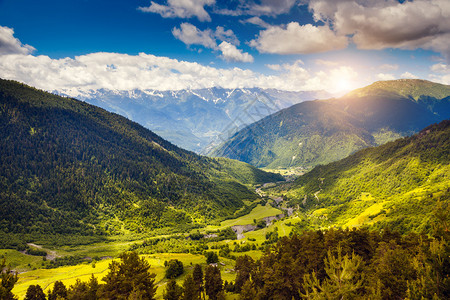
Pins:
<point x="181" y="9"/>
<point x="440" y="68"/>
<point x="326" y="63"/>
<point x="298" y="39"/>
<point x="231" y="53"/>
<point x="259" y="8"/>
<point x="442" y="73"/>
<point x="191" y="35"/>
<point x="11" y="45"/>
<point x="81" y="74"/>
<point x="384" y="76"/>
<point x="389" y="24"/>
<point x="226" y="35"/>
<point x="274" y="67"/>
<point x="256" y="21"/>
<point x="78" y="75"/>
<point x="408" y="75"/>
<point x="388" y="67"/>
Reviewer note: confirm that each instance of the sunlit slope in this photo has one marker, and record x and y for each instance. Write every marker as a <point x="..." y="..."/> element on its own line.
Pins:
<point x="397" y="184"/>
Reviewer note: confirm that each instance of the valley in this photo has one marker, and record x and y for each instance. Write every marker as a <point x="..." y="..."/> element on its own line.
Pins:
<point x="82" y="186"/>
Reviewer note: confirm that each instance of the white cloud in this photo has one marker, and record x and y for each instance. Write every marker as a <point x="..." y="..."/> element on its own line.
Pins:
<point x="256" y="21"/>
<point x="443" y="73"/>
<point x="298" y="39"/>
<point x="389" y="24"/>
<point x="191" y="35"/>
<point x="326" y="63"/>
<point x="226" y="35"/>
<point x="231" y="53"/>
<point x="274" y="67"/>
<point x="408" y="75"/>
<point x="181" y="9"/>
<point x="11" y="45"/>
<point x="259" y="8"/>
<point x="94" y="71"/>
<point x="440" y="68"/>
<point x="384" y="76"/>
<point x="388" y="67"/>
<point x="81" y="74"/>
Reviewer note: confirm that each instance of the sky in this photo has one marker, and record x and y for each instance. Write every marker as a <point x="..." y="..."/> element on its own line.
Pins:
<point x="76" y="46"/>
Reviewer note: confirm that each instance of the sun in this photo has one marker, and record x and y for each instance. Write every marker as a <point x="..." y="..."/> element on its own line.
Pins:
<point x="343" y="85"/>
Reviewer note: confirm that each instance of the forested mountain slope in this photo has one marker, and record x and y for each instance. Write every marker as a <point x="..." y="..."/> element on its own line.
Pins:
<point x="398" y="184"/>
<point x="319" y="132"/>
<point x="70" y="167"/>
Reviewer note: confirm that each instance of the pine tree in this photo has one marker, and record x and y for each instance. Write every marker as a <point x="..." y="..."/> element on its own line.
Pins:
<point x="35" y="292"/>
<point x="130" y="276"/>
<point x="59" y="291"/>
<point x="244" y="267"/>
<point x="213" y="282"/>
<point x="7" y="281"/>
<point x="173" y="291"/>
<point x="344" y="278"/>
<point x="190" y="290"/>
<point x="197" y="275"/>
<point x="247" y="291"/>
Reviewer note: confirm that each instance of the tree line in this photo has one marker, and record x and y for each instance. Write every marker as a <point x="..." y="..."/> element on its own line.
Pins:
<point x="331" y="264"/>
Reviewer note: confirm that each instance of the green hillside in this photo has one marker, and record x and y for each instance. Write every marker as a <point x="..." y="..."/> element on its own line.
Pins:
<point x="397" y="185"/>
<point x="67" y="167"/>
<point x="413" y="88"/>
<point x="319" y="132"/>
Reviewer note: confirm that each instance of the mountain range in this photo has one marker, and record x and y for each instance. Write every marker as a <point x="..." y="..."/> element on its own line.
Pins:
<point x="70" y="167"/>
<point x="196" y="120"/>
<point x="322" y="131"/>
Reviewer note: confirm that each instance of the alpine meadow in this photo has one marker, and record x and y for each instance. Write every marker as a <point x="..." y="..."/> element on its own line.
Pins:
<point x="224" y="150"/>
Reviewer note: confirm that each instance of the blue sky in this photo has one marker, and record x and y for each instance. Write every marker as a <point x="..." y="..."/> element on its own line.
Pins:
<point x="335" y="45"/>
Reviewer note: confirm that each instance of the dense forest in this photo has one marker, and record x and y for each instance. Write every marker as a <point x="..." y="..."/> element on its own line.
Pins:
<point x="68" y="167"/>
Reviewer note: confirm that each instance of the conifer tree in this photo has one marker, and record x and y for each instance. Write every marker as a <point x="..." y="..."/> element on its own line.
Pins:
<point x="213" y="282"/>
<point x="35" y="292"/>
<point x="197" y="275"/>
<point x="244" y="266"/>
<point x="343" y="280"/>
<point x="7" y="281"/>
<point x="190" y="291"/>
<point x="130" y="276"/>
<point x="59" y="291"/>
<point x="173" y="291"/>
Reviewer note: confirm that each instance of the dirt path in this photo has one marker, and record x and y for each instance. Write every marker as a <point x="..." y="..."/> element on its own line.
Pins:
<point x="51" y="255"/>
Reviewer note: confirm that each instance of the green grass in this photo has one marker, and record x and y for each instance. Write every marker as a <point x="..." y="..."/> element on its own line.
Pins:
<point x="19" y="261"/>
<point x="69" y="274"/>
<point x="364" y="216"/>
<point x="257" y="213"/>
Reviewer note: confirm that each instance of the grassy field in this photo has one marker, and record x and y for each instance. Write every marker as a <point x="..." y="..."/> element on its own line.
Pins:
<point x="69" y="274"/>
<point x="257" y="213"/>
<point x="18" y="261"/>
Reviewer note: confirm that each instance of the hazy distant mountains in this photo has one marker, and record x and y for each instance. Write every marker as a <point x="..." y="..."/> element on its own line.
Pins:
<point x="197" y="120"/>
<point x="322" y="131"/>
